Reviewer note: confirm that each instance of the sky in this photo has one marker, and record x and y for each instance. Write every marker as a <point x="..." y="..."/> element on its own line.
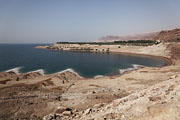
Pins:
<point x="49" y="21"/>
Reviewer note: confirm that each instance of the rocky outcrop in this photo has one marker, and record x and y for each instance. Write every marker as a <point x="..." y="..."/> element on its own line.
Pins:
<point x="6" y="74"/>
<point x="158" y="102"/>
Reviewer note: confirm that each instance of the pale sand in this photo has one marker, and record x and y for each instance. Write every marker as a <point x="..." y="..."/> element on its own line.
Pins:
<point x="155" y="50"/>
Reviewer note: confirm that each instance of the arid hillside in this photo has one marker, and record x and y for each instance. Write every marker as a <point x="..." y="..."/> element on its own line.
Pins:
<point x="175" y="50"/>
<point x="169" y="35"/>
<point x="165" y="36"/>
<point x="143" y="36"/>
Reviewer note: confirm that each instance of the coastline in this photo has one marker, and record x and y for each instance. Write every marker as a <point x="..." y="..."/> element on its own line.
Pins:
<point x="167" y="59"/>
<point x="69" y="96"/>
<point x="168" y="62"/>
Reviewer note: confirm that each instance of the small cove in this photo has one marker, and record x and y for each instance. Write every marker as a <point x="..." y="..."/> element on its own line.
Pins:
<point x="28" y="58"/>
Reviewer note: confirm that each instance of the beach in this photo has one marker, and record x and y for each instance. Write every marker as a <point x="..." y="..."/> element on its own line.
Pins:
<point x="159" y="50"/>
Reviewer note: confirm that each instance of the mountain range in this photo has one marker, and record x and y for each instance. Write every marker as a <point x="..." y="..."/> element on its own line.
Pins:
<point x="164" y="35"/>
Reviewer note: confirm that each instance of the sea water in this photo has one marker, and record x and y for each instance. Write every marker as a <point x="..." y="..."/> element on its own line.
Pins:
<point x="27" y="58"/>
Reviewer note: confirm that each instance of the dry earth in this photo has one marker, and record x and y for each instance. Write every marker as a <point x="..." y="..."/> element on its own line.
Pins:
<point x="145" y="94"/>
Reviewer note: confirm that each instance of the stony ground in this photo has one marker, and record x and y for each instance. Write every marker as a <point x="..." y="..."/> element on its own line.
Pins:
<point x="147" y="93"/>
<point x="157" y="102"/>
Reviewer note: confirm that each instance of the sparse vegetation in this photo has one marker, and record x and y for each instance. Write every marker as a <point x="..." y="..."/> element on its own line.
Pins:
<point x="130" y="42"/>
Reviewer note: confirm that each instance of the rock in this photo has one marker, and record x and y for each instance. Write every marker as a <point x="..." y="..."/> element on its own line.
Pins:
<point x="102" y="118"/>
<point x="173" y="77"/>
<point x="11" y="73"/>
<point x="60" y="110"/>
<point x="159" y="110"/>
<point x="99" y="105"/>
<point x="75" y="110"/>
<point x="133" y="97"/>
<point x="170" y="89"/>
<point x="17" y="79"/>
<point x="67" y="113"/>
<point x="52" y="117"/>
<point x="68" y="109"/>
<point x="58" y="98"/>
<point x="94" y="92"/>
<point x="88" y="111"/>
<point x="154" y="98"/>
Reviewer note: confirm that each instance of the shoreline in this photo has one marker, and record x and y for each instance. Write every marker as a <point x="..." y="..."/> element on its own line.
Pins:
<point x="65" y="94"/>
<point x="168" y="61"/>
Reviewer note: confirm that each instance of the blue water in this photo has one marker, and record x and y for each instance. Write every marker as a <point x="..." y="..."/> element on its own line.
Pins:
<point x="86" y="64"/>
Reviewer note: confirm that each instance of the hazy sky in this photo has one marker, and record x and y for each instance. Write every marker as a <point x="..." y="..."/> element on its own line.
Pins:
<point x="48" y="21"/>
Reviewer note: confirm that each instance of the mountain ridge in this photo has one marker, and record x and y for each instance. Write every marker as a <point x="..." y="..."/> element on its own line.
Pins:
<point x="163" y="35"/>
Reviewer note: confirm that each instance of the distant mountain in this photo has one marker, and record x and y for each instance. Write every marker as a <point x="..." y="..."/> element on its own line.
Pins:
<point x="144" y="36"/>
<point x="165" y="36"/>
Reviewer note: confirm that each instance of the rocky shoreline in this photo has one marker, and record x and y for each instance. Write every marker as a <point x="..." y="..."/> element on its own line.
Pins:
<point x="142" y="94"/>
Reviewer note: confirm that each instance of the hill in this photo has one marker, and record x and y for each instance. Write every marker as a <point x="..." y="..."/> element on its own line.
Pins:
<point x="169" y="35"/>
<point x="143" y="36"/>
<point x="165" y="36"/>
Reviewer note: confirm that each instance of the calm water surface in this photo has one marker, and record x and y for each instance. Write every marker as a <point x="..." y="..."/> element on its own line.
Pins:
<point x="86" y="64"/>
